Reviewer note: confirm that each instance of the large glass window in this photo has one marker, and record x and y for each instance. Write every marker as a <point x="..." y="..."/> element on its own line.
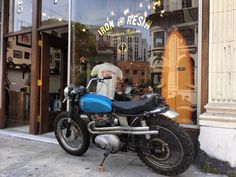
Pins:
<point x="152" y="44"/>
<point x="20" y="15"/>
<point x="54" y="12"/>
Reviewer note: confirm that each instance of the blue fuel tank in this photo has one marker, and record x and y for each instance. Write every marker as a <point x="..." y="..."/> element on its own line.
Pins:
<point x="94" y="103"/>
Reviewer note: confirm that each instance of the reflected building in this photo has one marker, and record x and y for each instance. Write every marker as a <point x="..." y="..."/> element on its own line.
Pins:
<point x="172" y="15"/>
<point x="128" y="50"/>
<point x="172" y="57"/>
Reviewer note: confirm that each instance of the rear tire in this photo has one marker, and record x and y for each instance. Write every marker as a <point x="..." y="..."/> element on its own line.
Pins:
<point x="159" y="155"/>
<point x="78" y="141"/>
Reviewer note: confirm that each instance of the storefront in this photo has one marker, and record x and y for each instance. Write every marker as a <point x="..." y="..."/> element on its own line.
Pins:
<point x="157" y="45"/>
<point x="183" y="50"/>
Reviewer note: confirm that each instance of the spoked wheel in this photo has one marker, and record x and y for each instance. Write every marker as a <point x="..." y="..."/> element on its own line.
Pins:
<point x="76" y="140"/>
<point x="168" y="153"/>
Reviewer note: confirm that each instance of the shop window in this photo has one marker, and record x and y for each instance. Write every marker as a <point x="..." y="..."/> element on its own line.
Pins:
<point x="155" y="56"/>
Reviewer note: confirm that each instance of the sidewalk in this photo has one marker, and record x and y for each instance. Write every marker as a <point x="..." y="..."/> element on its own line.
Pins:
<point x="29" y="158"/>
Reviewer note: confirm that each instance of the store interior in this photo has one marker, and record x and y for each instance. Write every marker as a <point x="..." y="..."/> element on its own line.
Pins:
<point x="18" y="80"/>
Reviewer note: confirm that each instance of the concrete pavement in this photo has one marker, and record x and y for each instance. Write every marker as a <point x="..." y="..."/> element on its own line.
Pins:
<point x="26" y="158"/>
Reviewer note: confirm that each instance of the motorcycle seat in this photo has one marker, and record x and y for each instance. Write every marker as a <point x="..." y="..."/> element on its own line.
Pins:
<point x="135" y="107"/>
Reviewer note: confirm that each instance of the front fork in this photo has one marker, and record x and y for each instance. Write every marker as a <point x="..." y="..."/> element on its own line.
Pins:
<point x="70" y="116"/>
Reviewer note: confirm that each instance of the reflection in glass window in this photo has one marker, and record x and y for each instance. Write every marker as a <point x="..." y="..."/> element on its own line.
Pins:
<point x="188" y="35"/>
<point x="157" y="5"/>
<point x="159" y="39"/>
<point x="54" y="12"/>
<point x="186" y="3"/>
<point x="20" y="15"/>
<point x="153" y="43"/>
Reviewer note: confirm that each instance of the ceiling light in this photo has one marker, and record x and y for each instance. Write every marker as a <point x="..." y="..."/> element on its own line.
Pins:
<point x="145" y="14"/>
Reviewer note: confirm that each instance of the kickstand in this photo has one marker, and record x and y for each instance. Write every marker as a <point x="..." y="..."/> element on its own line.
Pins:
<point x="100" y="167"/>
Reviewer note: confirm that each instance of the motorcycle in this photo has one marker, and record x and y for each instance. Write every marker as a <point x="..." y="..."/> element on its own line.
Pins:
<point x="143" y="126"/>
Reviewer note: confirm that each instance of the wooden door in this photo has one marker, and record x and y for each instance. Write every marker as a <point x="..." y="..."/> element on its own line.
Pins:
<point x="49" y="41"/>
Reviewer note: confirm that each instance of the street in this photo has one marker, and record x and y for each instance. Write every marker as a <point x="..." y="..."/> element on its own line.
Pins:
<point x="27" y="158"/>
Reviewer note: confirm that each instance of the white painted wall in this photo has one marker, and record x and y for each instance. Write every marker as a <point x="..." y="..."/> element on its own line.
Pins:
<point x="219" y="143"/>
<point x="218" y="124"/>
<point x="222" y="53"/>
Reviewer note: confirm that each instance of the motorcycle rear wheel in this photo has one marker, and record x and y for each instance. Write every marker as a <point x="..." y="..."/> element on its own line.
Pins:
<point x="170" y="152"/>
<point x="77" y="143"/>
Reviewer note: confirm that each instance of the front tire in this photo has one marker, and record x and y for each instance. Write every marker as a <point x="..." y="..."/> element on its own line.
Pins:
<point x="168" y="153"/>
<point x="78" y="140"/>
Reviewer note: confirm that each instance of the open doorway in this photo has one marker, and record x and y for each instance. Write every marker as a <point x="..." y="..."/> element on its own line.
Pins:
<point x="52" y="79"/>
<point x="18" y="80"/>
<point x="53" y="74"/>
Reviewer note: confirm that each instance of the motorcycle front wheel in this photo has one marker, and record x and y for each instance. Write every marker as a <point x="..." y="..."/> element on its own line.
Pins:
<point x="76" y="141"/>
<point x="170" y="152"/>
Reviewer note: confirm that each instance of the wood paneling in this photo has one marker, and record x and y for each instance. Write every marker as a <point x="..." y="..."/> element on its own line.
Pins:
<point x="34" y="97"/>
<point x="205" y="54"/>
<point x="44" y="89"/>
<point x="17" y="109"/>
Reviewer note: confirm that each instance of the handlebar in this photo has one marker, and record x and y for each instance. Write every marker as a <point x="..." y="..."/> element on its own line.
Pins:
<point x="72" y="90"/>
<point x="100" y="79"/>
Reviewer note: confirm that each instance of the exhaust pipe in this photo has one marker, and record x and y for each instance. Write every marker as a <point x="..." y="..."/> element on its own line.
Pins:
<point x="120" y="130"/>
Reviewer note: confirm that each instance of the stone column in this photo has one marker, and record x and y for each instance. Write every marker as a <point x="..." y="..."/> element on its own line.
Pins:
<point x="218" y="123"/>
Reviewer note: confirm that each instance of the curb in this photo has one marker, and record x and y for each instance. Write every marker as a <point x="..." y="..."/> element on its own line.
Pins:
<point x="28" y="136"/>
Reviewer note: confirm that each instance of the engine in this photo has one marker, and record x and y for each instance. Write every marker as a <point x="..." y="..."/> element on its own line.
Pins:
<point x="109" y="142"/>
<point x="105" y="120"/>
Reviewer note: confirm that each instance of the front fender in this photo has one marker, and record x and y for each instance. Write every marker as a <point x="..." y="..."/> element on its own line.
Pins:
<point x="170" y="114"/>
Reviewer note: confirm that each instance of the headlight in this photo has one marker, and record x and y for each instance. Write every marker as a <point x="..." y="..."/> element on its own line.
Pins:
<point x="66" y="91"/>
